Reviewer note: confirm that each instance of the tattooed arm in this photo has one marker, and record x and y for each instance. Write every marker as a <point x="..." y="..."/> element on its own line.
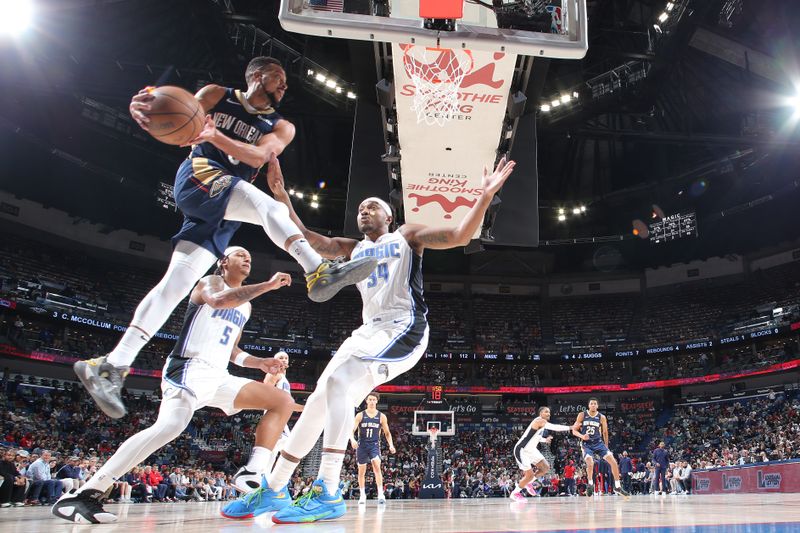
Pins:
<point x="421" y="237"/>
<point x="329" y="247"/>
<point x="211" y="291"/>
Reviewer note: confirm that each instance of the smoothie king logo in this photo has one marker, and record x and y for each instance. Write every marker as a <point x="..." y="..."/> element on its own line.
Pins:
<point x="439" y="184"/>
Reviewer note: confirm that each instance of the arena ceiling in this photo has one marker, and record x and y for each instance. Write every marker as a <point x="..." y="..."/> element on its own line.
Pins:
<point x="698" y="132"/>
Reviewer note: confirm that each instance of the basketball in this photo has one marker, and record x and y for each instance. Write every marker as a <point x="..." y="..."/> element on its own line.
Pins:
<point x="175" y="116"/>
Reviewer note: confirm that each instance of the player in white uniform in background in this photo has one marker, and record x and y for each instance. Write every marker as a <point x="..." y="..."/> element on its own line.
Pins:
<point x="528" y="456"/>
<point x="248" y="478"/>
<point x="195" y="376"/>
<point x="393" y="337"/>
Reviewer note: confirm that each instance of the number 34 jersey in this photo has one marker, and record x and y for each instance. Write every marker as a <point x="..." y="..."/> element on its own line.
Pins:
<point x="210" y="334"/>
<point x="394" y="289"/>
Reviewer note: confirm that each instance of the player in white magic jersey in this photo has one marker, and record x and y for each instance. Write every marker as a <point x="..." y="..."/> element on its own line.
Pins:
<point x="249" y="477"/>
<point x="196" y="375"/>
<point x="526" y="452"/>
<point x="392" y="339"/>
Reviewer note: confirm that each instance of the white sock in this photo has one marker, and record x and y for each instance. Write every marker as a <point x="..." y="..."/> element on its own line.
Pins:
<point x="361" y="492"/>
<point x="124" y="353"/>
<point x="591" y="482"/>
<point x="305" y="255"/>
<point x="330" y="470"/>
<point x="616" y="483"/>
<point x="260" y="460"/>
<point x="281" y="474"/>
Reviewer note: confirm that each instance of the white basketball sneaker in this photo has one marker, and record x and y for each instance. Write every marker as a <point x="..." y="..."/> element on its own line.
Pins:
<point x="362" y="499"/>
<point x="381" y="499"/>
<point x="246" y="481"/>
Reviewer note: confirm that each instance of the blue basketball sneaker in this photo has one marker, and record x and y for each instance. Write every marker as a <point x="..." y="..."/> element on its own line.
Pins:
<point x="316" y="504"/>
<point x="260" y="501"/>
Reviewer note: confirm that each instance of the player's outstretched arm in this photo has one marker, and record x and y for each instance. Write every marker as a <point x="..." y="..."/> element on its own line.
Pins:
<point x="421" y="237"/>
<point x="387" y="433"/>
<point x="211" y="291"/>
<point x="604" y="424"/>
<point x="329" y="247"/>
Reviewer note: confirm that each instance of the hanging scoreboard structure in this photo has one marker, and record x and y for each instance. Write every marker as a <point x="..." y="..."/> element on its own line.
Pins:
<point x="673" y="227"/>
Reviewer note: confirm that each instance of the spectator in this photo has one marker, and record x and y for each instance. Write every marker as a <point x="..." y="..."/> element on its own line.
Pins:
<point x="44" y="489"/>
<point x="12" y="482"/>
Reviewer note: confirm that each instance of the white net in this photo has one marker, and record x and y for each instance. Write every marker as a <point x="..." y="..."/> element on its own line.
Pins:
<point x="437" y="74"/>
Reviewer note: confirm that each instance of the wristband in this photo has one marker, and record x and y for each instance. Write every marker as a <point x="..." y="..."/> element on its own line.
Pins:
<point x="240" y="358"/>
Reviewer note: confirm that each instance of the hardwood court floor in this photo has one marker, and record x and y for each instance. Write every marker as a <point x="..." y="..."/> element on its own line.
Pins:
<point x="773" y="513"/>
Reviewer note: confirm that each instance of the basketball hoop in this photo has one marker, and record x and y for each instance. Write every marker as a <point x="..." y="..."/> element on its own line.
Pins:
<point x="433" y="432"/>
<point x="437" y="74"/>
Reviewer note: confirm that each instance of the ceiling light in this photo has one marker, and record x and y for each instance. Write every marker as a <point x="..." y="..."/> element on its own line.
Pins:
<point x="17" y="17"/>
<point x="320" y="78"/>
<point x="575" y="94"/>
<point x="291" y="192"/>
<point x="583" y="209"/>
<point x="670" y="6"/>
<point x="657" y="28"/>
<point x="314" y="205"/>
<point x="338" y="90"/>
<point x="576" y="210"/>
<point x="663" y="17"/>
<point x="310" y="72"/>
<point x="545" y="108"/>
<point x="555" y="103"/>
<point x="331" y="84"/>
<point x="299" y="194"/>
<point x="565" y="98"/>
<point x="561" y="211"/>
<point x="314" y="197"/>
<point x="351" y="95"/>
<point x="562" y="218"/>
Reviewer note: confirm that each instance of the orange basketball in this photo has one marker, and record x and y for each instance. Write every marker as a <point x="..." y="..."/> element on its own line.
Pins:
<point x="175" y="115"/>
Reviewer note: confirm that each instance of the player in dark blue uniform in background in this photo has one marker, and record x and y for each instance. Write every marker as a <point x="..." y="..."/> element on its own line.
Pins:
<point x="369" y="423"/>
<point x="213" y="190"/>
<point x="594" y="424"/>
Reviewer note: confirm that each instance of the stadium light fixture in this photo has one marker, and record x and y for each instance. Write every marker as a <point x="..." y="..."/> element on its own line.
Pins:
<point x="562" y="218"/>
<point x="663" y="17"/>
<point x="545" y="108"/>
<point x="291" y="192"/>
<point x="555" y="103"/>
<point x="314" y="197"/>
<point x="565" y="98"/>
<point x="576" y="210"/>
<point x="299" y="194"/>
<point x="670" y="6"/>
<point x="310" y="72"/>
<point x="331" y="84"/>
<point x="17" y="17"/>
<point x="561" y="211"/>
<point x="320" y="78"/>
<point x="314" y="205"/>
<point x="583" y="209"/>
<point x="351" y="95"/>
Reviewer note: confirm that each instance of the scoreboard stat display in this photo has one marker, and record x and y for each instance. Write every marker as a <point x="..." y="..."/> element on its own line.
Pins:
<point x="673" y="227"/>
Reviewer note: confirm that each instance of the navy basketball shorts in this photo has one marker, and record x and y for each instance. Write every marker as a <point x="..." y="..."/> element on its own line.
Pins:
<point x="594" y="448"/>
<point x="202" y="190"/>
<point x="367" y="451"/>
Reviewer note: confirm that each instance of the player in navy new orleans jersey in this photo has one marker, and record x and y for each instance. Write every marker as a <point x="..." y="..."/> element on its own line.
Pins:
<point x="369" y="424"/>
<point x="196" y="375"/>
<point x="391" y="340"/>
<point x="594" y="424"/>
<point x="214" y="193"/>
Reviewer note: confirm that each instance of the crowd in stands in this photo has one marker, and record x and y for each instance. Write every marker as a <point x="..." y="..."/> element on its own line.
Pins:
<point x="110" y="290"/>
<point x="54" y="439"/>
